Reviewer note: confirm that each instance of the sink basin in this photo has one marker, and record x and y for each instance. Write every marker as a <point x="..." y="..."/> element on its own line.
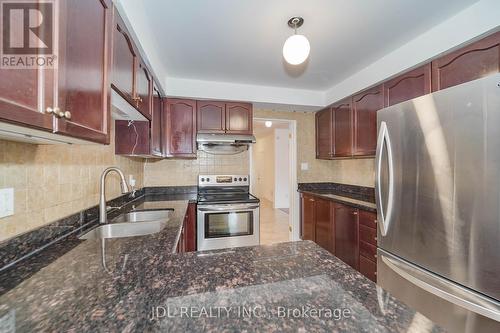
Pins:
<point x="139" y="223"/>
<point x="118" y="230"/>
<point x="144" y="215"/>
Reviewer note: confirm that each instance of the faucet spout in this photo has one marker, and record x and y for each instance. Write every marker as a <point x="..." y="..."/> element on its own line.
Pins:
<point x="102" y="198"/>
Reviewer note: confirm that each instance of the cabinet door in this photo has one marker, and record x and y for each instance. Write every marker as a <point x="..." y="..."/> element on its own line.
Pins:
<point x="190" y="233"/>
<point x="469" y="63"/>
<point x="343" y="127"/>
<point x="365" y="107"/>
<point x="124" y="60"/>
<point x="180" y="126"/>
<point x="307" y="228"/>
<point x="239" y="118"/>
<point x="156" y="124"/>
<point x="19" y="97"/>
<point x="132" y="138"/>
<point x="143" y="90"/>
<point x="368" y="268"/>
<point x="407" y="86"/>
<point x="324" y="224"/>
<point x="211" y="117"/>
<point x="346" y="235"/>
<point x="84" y="66"/>
<point x="324" y="134"/>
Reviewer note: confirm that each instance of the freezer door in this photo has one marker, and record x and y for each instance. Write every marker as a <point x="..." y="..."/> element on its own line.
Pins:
<point x="452" y="306"/>
<point x="438" y="183"/>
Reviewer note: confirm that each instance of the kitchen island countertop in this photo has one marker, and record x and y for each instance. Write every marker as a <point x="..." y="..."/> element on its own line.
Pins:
<point x="137" y="284"/>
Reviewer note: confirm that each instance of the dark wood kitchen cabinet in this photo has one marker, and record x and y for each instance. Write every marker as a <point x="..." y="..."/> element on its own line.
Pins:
<point x="222" y="118"/>
<point x="84" y="100"/>
<point x="180" y="128"/>
<point x="143" y="90"/>
<point x="211" y="117"/>
<point x="73" y="103"/>
<point x="307" y="214"/>
<point x="346" y="234"/>
<point x="124" y="61"/>
<point x="157" y="123"/>
<point x="187" y="237"/>
<point x="239" y="118"/>
<point x="324" y="224"/>
<point x="471" y="62"/>
<point x="365" y="106"/>
<point x="407" y="86"/>
<point x="342" y="128"/>
<point x="324" y="134"/>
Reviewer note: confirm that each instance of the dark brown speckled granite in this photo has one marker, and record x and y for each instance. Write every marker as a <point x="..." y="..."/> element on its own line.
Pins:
<point x="356" y="196"/>
<point x="77" y="292"/>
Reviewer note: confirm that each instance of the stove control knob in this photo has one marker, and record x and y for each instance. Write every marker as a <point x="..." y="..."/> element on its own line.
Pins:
<point x="203" y="179"/>
<point x="245" y="179"/>
<point x="239" y="179"/>
<point x="235" y="179"/>
<point x="208" y="180"/>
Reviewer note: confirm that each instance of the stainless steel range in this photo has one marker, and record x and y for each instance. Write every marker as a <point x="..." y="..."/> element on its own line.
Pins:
<point x="228" y="215"/>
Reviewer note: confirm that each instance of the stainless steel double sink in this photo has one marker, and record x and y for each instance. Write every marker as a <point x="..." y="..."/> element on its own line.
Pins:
<point x="137" y="223"/>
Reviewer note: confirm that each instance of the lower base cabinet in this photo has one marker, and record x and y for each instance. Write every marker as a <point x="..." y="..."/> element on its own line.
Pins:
<point x="187" y="239"/>
<point x="348" y="233"/>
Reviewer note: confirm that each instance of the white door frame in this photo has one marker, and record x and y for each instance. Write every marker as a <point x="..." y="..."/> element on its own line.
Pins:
<point x="293" y="217"/>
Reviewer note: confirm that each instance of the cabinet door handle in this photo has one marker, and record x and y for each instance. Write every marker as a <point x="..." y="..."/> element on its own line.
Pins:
<point x="355" y="213"/>
<point x="67" y="114"/>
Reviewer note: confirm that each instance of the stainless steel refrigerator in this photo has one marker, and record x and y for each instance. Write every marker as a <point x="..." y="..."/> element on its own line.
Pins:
<point x="438" y="199"/>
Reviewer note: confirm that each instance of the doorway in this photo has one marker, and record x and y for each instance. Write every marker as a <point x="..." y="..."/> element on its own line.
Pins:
<point x="273" y="178"/>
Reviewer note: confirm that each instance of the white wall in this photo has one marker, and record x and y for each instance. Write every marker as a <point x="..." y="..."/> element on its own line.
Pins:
<point x="281" y="168"/>
<point x="263" y="165"/>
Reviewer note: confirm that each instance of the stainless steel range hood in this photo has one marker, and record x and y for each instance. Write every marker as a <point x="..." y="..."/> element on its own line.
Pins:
<point x="224" y="144"/>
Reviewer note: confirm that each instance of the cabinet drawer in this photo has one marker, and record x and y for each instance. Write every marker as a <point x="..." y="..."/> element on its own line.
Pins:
<point x="369" y="251"/>
<point x="368" y="268"/>
<point x="368" y="234"/>
<point x="368" y="218"/>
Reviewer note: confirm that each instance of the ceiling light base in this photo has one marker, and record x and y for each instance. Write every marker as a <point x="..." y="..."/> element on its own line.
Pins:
<point x="295" y="22"/>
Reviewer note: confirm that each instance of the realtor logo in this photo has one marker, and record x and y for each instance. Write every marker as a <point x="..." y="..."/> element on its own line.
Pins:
<point x="27" y="34"/>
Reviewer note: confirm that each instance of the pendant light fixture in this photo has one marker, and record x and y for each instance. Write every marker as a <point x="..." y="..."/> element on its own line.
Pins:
<point x="296" y="48"/>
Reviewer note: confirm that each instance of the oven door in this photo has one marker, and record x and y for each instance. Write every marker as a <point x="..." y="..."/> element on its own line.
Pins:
<point x="227" y="225"/>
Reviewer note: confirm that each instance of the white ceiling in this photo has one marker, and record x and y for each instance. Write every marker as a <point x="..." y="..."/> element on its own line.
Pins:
<point x="239" y="42"/>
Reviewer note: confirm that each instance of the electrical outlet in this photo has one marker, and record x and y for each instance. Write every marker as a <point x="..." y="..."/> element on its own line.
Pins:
<point x="6" y="202"/>
<point x="304" y="166"/>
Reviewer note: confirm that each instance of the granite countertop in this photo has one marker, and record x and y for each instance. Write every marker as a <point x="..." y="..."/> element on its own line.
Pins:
<point x="138" y="284"/>
<point x="345" y="198"/>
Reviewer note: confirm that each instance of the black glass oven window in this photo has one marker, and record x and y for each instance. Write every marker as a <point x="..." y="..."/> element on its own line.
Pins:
<point x="228" y="224"/>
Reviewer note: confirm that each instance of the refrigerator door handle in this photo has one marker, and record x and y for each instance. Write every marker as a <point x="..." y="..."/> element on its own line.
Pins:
<point x="443" y="288"/>
<point x="384" y="141"/>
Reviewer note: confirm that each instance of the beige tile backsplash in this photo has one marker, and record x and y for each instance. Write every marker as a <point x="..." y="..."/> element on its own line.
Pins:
<point x="185" y="172"/>
<point x="51" y="182"/>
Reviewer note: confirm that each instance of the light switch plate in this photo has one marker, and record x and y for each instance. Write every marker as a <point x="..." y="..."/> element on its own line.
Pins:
<point x="6" y="202"/>
<point x="304" y="166"/>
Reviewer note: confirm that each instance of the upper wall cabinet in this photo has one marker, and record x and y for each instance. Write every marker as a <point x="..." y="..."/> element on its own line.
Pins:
<point x="131" y="78"/>
<point x="179" y="122"/>
<point x="324" y="134"/>
<point x="365" y="106"/>
<point x="124" y="61"/>
<point x="221" y="117"/>
<point x="407" y="86"/>
<point x="68" y="101"/>
<point x="157" y="123"/>
<point x="83" y="99"/>
<point x="239" y="118"/>
<point x="342" y="117"/>
<point x="211" y="117"/>
<point x="143" y="90"/>
<point x="472" y="62"/>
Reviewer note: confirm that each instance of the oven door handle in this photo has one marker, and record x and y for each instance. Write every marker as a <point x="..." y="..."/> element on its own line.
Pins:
<point x="228" y="208"/>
